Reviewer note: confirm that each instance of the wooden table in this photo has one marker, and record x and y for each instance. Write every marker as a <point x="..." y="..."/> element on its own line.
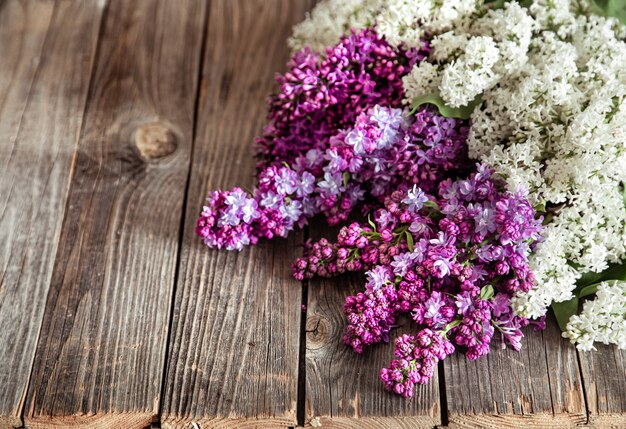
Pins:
<point x="116" y="118"/>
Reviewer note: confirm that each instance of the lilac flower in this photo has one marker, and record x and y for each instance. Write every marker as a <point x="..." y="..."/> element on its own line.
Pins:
<point x="456" y="283"/>
<point x="358" y="140"/>
<point x="305" y="184"/>
<point x="384" y="218"/>
<point x="285" y="181"/>
<point x="433" y="306"/>
<point x="402" y="263"/>
<point x="377" y="277"/>
<point x="415" y="199"/>
<point x="322" y="94"/>
<point x="501" y="304"/>
<point x="271" y="200"/>
<point x="463" y="303"/>
<point x="485" y="219"/>
<point x="292" y="211"/>
<point x="240" y="207"/>
<point x="441" y="266"/>
<point x="331" y="185"/>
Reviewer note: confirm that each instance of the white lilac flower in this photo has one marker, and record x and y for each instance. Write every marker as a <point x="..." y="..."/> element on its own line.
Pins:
<point x="602" y="320"/>
<point x="329" y="20"/>
<point x="472" y="73"/>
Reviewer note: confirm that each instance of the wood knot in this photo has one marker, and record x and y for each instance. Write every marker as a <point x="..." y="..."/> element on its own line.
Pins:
<point x="318" y="329"/>
<point x="155" y="140"/>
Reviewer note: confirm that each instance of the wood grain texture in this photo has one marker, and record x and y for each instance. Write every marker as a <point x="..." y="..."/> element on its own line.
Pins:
<point x="235" y="336"/>
<point x="100" y="357"/>
<point x="539" y="385"/>
<point x="46" y="55"/>
<point x="604" y="378"/>
<point x="342" y="387"/>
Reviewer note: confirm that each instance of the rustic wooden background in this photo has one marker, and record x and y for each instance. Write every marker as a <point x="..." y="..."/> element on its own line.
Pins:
<point x="116" y="118"/>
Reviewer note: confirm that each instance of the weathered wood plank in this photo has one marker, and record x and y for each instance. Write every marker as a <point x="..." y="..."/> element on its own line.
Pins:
<point x="604" y="379"/>
<point x="342" y="387"/>
<point x="234" y="346"/>
<point x="100" y="357"/>
<point x="540" y="386"/>
<point x="46" y="55"/>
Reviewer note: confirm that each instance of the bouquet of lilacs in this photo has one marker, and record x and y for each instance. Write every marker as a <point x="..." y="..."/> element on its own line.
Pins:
<point x="485" y="144"/>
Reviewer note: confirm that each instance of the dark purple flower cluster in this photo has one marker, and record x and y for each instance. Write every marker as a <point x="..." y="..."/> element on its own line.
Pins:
<point x="452" y="261"/>
<point x="322" y="94"/>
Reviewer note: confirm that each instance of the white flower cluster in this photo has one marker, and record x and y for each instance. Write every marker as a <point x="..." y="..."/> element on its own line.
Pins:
<point x="329" y="20"/>
<point x="400" y="21"/>
<point x="602" y="320"/>
<point x="478" y="53"/>
<point x="551" y="79"/>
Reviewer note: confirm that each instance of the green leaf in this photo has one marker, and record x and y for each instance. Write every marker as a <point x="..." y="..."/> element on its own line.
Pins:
<point x="588" y="290"/>
<point x="614" y="8"/>
<point x="431" y="205"/>
<point x="346" y="178"/>
<point x="463" y="112"/>
<point x="409" y="241"/>
<point x="486" y="292"/>
<point x="587" y="285"/>
<point x="540" y="207"/>
<point x="564" y="310"/>
<point x="371" y="223"/>
<point x="613" y="272"/>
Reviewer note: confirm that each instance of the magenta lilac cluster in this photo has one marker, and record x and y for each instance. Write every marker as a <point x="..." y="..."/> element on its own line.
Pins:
<point x="321" y="94"/>
<point x="451" y="260"/>
<point x="383" y="149"/>
<point x="417" y="358"/>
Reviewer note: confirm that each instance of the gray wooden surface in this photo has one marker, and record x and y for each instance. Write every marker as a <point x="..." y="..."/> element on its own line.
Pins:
<point x="116" y="118"/>
<point x="47" y="52"/>
<point x="101" y="347"/>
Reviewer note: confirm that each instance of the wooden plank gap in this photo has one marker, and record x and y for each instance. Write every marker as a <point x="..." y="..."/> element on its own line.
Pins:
<point x="583" y="382"/>
<point x="181" y="233"/>
<point x="443" y="398"/>
<point x="301" y="404"/>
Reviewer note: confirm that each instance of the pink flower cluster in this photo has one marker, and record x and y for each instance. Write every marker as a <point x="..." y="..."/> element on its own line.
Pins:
<point x="451" y="261"/>
<point x="417" y="358"/>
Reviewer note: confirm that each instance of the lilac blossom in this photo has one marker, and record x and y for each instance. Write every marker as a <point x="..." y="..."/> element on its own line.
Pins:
<point x="454" y="276"/>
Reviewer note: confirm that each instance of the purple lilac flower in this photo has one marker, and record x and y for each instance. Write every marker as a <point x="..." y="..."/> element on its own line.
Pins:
<point x="455" y="276"/>
<point x="417" y="358"/>
<point x="333" y="182"/>
<point x="402" y="263"/>
<point x="322" y="94"/>
<point x="377" y="277"/>
<point x="415" y="199"/>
